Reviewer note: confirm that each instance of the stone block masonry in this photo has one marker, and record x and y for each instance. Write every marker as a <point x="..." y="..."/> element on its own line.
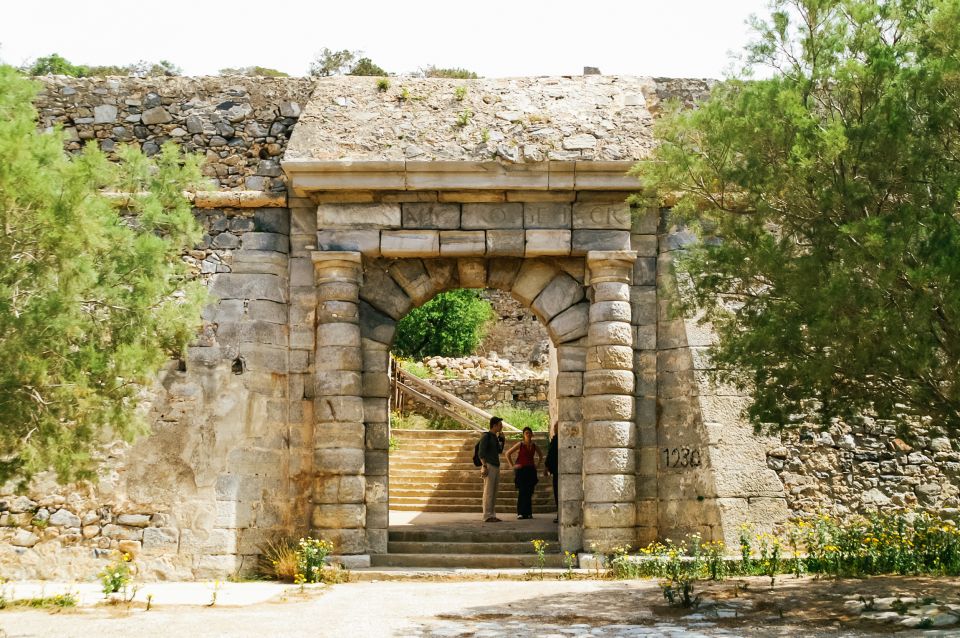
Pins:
<point x="332" y="210"/>
<point x="240" y="125"/>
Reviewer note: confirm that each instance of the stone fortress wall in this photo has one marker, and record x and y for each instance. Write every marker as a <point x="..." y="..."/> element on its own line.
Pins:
<point x="276" y="422"/>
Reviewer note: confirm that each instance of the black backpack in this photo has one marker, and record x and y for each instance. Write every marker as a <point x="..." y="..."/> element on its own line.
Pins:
<point x="476" y="452"/>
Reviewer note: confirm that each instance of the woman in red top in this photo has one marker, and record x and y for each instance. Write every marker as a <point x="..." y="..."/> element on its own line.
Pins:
<point x="525" y="471"/>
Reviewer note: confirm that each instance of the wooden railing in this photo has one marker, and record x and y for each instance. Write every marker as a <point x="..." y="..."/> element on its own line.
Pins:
<point x="408" y="386"/>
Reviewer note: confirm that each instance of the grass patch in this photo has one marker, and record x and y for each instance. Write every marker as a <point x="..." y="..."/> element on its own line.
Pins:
<point x="416" y="368"/>
<point x="278" y="560"/>
<point x="57" y="601"/>
<point x="536" y="420"/>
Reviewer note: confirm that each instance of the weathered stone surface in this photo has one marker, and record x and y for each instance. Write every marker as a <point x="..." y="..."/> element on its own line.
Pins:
<point x="505" y="243"/>
<point x="338" y="409"/>
<point x="602" y="216"/>
<point x="339" y="435"/>
<point x="533" y="277"/>
<point x="615" y="333"/>
<point x="104" y="113"/>
<point x="610" y="434"/>
<point x="384" y="294"/>
<point x="339" y="461"/>
<point x="462" y="243"/>
<point x="24" y="538"/>
<point x="410" y="243"/>
<point x="569" y="325"/>
<point x="376" y="325"/>
<point x="561" y="293"/>
<point x="606" y="488"/>
<point x="266" y="241"/>
<point x="344" y="516"/>
<point x="608" y="407"/>
<point x="484" y="216"/>
<point x="472" y="272"/>
<point x="503" y="272"/>
<point x="547" y="242"/>
<point x="431" y="215"/>
<point x="608" y="514"/>
<point x="354" y="216"/>
<point x="546" y="215"/>
<point x="249" y="286"/>
<point x="609" y="311"/>
<point x="608" y="382"/>
<point x="64" y="518"/>
<point x="584" y="241"/>
<point x="156" y="115"/>
<point x="366" y="242"/>
<point x="609" y="461"/>
<point x="413" y="277"/>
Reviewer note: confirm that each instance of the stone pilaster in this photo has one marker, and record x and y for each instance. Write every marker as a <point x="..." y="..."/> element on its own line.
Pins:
<point x="338" y="498"/>
<point x="609" y="432"/>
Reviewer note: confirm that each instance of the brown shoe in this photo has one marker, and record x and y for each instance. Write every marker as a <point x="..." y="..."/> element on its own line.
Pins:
<point x="493" y="520"/>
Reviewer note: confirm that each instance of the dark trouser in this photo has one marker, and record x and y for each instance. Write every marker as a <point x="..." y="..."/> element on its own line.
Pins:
<point x="525" y="479"/>
<point x="556" y="491"/>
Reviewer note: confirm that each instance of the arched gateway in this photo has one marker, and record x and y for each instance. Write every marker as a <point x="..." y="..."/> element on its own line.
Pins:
<point x="406" y="211"/>
<point x="276" y="424"/>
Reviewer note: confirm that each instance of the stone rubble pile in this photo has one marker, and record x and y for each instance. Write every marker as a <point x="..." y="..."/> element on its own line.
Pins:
<point x="490" y="367"/>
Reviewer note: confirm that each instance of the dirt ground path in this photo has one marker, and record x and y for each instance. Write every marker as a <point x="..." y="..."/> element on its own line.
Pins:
<point x="490" y="609"/>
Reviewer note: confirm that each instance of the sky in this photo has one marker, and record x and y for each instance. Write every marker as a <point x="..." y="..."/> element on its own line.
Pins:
<point x="495" y="38"/>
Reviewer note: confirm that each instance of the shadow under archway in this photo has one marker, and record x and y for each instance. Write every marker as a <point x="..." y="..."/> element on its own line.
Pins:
<point x="552" y="288"/>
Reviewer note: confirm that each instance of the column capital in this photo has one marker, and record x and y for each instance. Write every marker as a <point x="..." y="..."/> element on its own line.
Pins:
<point x="337" y="266"/>
<point x="610" y="265"/>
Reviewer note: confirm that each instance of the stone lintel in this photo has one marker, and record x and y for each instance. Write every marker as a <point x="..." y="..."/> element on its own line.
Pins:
<point x="308" y="176"/>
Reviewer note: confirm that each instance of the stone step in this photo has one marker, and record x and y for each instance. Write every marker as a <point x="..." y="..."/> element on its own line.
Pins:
<point x="474" y="561"/>
<point x="463" y="509"/>
<point x="466" y="466"/>
<point x="503" y="505"/>
<point x="407" y="490"/>
<point x="480" y="534"/>
<point x="454" y="476"/>
<point x="440" y="499"/>
<point x="414" y="547"/>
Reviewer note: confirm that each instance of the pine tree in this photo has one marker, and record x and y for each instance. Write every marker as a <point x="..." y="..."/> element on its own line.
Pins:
<point x="94" y="299"/>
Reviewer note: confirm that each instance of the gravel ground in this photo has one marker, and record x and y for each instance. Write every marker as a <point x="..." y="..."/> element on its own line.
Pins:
<point x="488" y="609"/>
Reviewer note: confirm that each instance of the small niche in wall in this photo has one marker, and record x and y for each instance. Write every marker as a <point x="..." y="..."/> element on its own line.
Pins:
<point x="238" y="366"/>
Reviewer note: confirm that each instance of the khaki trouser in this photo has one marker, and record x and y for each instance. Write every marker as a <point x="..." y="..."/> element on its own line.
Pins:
<point x="491" y="483"/>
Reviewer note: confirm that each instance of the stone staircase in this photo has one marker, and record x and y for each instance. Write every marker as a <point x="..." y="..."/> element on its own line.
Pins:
<point x="480" y="548"/>
<point x="433" y="471"/>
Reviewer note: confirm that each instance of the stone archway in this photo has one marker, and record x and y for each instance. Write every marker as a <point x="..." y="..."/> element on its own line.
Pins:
<point x="585" y="305"/>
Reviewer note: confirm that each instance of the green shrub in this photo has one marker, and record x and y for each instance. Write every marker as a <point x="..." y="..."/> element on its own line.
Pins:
<point x="383" y="84"/>
<point x="452" y="324"/>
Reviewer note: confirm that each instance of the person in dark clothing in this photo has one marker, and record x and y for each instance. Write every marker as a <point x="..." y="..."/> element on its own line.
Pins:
<point x="525" y="472"/>
<point x="491" y="445"/>
<point x="553" y="458"/>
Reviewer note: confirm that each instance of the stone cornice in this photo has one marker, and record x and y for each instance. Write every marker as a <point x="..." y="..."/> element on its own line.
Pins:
<point x="306" y="176"/>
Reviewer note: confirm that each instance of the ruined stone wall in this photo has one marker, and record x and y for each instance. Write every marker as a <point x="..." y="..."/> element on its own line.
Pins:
<point x="530" y="394"/>
<point x="240" y="125"/>
<point x="867" y="468"/>
<point x="516" y="334"/>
